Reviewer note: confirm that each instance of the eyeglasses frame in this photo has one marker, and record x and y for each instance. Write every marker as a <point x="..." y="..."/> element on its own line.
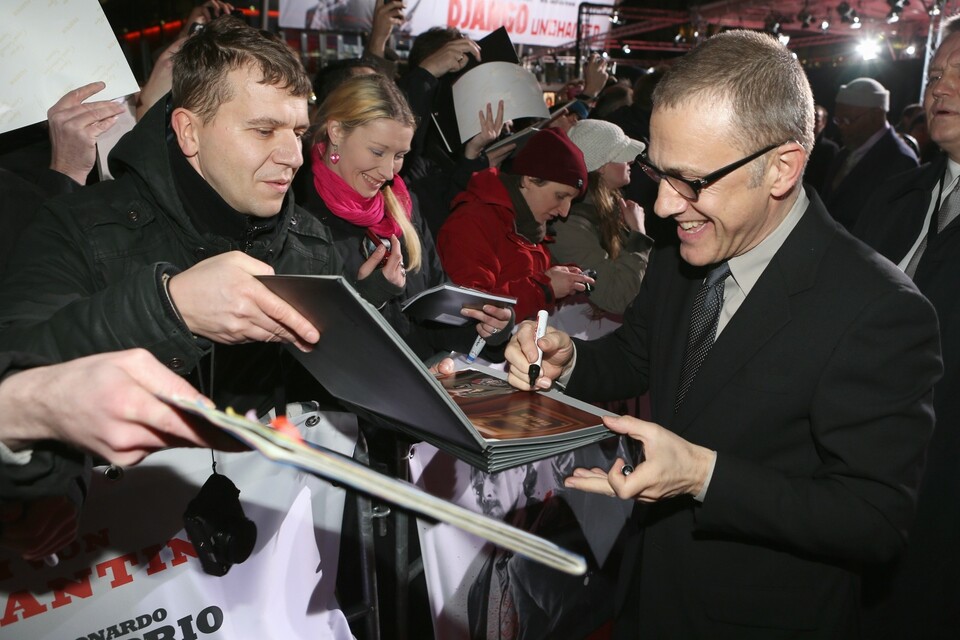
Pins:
<point x="699" y="184"/>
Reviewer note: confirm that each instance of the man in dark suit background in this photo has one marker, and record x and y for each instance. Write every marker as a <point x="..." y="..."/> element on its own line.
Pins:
<point x="793" y="456"/>
<point x="824" y="150"/>
<point x="872" y="150"/>
<point x="917" y="597"/>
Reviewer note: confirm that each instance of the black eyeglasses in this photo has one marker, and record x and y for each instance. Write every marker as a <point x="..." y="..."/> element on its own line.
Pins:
<point x="690" y="189"/>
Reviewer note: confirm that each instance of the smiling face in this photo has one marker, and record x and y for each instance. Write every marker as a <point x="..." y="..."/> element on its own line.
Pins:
<point x="733" y="214"/>
<point x="941" y="99"/>
<point x="250" y="150"/>
<point x="547" y="200"/>
<point x="370" y="155"/>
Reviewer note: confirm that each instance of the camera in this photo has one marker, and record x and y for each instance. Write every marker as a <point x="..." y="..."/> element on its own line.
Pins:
<point x="219" y="531"/>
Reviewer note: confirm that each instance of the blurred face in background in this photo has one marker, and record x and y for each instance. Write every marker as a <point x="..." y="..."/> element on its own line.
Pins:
<point x="615" y="175"/>
<point x="941" y="99"/>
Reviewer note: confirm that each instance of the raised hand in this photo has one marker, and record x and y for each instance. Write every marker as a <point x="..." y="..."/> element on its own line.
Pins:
<point x="75" y="127"/>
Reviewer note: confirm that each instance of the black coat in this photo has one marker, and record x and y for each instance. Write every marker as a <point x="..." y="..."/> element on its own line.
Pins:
<point x="817" y="398"/>
<point x="917" y="597"/>
<point x="86" y="277"/>
<point x="888" y="157"/>
<point x="424" y="337"/>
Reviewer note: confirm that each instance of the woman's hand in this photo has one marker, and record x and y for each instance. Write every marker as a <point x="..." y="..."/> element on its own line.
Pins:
<point x="567" y="280"/>
<point x="393" y="270"/>
<point x="491" y="320"/>
<point x="632" y="215"/>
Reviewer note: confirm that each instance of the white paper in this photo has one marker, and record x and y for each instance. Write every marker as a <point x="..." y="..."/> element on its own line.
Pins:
<point x="107" y="140"/>
<point x="492" y="81"/>
<point x="50" y="47"/>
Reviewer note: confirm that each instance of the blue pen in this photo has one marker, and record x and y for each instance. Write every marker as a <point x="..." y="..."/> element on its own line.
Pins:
<point x="477" y="347"/>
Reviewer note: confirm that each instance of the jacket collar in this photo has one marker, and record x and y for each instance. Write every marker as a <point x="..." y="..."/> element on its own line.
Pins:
<point x="766" y="310"/>
<point x="144" y="155"/>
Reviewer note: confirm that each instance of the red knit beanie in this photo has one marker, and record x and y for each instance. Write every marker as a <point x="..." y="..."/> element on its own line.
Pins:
<point x="550" y="155"/>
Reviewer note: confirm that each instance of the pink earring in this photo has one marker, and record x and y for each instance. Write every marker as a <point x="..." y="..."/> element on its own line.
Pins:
<point x="335" y="156"/>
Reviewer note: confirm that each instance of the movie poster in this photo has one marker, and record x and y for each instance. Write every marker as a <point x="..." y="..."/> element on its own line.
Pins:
<point x="478" y="591"/>
<point x="327" y="15"/>
<point x="133" y="573"/>
<point x="548" y="23"/>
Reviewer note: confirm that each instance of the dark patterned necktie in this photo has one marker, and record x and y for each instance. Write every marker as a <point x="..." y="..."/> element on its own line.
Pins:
<point x="943" y="216"/>
<point x="703" y="327"/>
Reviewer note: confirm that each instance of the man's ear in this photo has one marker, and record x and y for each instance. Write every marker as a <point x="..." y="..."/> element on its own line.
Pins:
<point x="790" y="160"/>
<point x="185" y="125"/>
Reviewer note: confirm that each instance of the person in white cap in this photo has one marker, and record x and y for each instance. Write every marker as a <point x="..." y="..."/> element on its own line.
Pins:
<point x="604" y="232"/>
<point x="872" y="150"/>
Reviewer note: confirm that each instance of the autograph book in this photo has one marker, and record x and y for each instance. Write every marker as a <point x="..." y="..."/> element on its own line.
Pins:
<point x="444" y="302"/>
<point x="473" y="415"/>
<point x="280" y="446"/>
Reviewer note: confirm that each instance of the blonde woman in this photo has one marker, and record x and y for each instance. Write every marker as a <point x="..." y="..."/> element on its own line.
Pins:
<point x="365" y="128"/>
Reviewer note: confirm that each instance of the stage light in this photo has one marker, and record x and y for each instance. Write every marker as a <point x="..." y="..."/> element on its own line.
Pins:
<point x="893" y="17"/>
<point x="868" y="49"/>
<point x="824" y="25"/>
<point x="784" y="39"/>
<point x="855" y="21"/>
<point x="845" y="11"/>
<point x="805" y="18"/>
<point x="626" y="48"/>
<point x="911" y="50"/>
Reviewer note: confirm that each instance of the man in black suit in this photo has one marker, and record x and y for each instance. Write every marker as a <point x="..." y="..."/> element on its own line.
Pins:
<point x="917" y="596"/>
<point x="872" y="150"/>
<point x="791" y="457"/>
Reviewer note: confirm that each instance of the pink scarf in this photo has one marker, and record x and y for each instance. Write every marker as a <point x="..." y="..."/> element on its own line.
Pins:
<point x="346" y="203"/>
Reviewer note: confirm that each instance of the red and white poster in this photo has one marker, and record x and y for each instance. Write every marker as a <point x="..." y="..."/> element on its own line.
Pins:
<point x="548" y="23"/>
<point x="132" y="573"/>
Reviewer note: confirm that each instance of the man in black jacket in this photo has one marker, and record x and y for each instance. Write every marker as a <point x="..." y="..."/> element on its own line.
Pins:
<point x="791" y="455"/>
<point x="916" y="597"/>
<point x="166" y="256"/>
<point x="872" y="150"/>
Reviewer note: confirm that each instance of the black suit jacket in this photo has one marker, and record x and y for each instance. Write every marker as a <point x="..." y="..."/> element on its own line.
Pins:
<point x="917" y="596"/>
<point x="888" y="157"/>
<point x="817" y="398"/>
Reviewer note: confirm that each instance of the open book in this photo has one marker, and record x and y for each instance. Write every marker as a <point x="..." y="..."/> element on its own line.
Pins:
<point x="280" y="447"/>
<point x="444" y="302"/>
<point x="362" y="361"/>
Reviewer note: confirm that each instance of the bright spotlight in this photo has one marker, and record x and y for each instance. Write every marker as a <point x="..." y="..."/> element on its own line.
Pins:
<point x="868" y="49"/>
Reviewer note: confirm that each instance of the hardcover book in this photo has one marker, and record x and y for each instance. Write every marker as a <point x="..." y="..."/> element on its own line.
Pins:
<point x="444" y="302"/>
<point x="475" y="415"/>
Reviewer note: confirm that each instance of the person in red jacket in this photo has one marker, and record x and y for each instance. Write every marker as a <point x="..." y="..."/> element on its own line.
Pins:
<point x="493" y="239"/>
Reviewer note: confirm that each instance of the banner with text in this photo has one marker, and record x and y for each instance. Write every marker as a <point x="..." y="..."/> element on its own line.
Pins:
<point x="548" y="23"/>
<point x="133" y="573"/>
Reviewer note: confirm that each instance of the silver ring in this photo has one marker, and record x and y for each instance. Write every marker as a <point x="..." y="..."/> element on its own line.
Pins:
<point x="494" y="330"/>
